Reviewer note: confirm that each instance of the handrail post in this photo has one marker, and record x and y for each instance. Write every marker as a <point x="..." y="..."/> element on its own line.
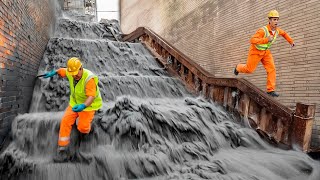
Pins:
<point x="302" y="125"/>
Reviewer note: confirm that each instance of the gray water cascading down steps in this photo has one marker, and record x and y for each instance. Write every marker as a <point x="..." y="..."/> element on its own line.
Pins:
<point x="150" y="126"/>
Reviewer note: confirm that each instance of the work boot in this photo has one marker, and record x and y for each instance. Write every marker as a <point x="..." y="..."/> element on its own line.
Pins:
<point x="83" y="137"/>
<point x="63" y="154"/>
<point x="235" y="71"/>
<point x="273" y="94"/>
<point x="83" y="140"/>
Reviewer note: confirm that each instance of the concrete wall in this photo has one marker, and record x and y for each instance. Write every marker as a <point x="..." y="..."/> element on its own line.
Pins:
<point x="25" y="27"/>
<point x="216" y="35"/>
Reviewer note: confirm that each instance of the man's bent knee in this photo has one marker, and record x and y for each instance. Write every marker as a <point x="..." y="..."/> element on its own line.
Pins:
<point x="84" y="129"/>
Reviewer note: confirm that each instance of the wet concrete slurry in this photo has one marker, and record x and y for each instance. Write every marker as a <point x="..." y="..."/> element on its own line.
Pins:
<point x="150" y="127"/>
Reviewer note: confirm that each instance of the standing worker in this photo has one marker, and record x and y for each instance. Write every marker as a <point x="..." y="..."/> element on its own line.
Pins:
<point x="85" y="99"/>
<point x="259" y="51"/>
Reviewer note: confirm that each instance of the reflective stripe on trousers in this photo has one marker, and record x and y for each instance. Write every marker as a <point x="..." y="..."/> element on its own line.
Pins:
<point x="63" y="141"/>
<point x="64" y="138"/>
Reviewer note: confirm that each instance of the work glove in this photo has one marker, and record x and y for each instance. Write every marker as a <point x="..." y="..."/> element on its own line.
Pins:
<point x="50" y="74"/>
<point x="78" y="108"/>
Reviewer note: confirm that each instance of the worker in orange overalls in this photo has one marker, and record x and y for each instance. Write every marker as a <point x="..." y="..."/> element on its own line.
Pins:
<point x="85" y="99"/>
<point x="259" y="51"/>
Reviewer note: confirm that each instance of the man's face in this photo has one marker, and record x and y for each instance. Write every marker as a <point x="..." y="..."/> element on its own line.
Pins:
<point x="273" y="22"/>
<point x="79" y="75"/>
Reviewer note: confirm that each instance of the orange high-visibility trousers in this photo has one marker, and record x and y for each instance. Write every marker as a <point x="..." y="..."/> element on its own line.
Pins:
<point x="268" y="63"/>
<point x="69" y="118"/>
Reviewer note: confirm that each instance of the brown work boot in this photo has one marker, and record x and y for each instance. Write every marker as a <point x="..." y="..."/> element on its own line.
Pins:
<point x="235" y="71"/>
<point x="63" y="154"/>
<point x="273" y="94"/>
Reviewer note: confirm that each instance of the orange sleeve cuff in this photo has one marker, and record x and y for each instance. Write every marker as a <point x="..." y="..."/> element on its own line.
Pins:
<point x="91" y="88"/>
<point x="62" y="72"/>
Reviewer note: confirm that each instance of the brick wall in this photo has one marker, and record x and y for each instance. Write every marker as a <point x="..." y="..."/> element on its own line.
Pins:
<point x="25" y="27"/>
<point x="216" y="35"/>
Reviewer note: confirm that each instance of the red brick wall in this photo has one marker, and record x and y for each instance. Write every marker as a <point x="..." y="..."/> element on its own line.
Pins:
<point x="24" y="32"/>
<point x="216" y="35"/>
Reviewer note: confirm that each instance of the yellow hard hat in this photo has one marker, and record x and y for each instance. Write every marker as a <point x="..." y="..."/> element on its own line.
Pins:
<point x="73" y="66"/>
<point x="273" y="13"/>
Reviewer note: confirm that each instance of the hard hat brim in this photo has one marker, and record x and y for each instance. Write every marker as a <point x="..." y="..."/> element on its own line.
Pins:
<point x="73" y="73"/>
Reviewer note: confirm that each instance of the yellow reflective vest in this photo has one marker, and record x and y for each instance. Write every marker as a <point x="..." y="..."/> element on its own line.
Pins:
<point x="78" y="91"/>
<point x="266" y="34"/>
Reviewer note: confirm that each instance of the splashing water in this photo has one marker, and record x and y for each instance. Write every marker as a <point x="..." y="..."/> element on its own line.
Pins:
<point x="150" y="126"/>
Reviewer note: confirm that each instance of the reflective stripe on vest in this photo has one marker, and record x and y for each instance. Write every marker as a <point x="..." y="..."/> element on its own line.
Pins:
<point x="78" y="91"/>
<point x="266" y="34"/>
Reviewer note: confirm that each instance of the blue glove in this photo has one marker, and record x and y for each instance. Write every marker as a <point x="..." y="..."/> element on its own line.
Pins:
<point x="50" y="74"/>
<point x="78" y="108"/>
